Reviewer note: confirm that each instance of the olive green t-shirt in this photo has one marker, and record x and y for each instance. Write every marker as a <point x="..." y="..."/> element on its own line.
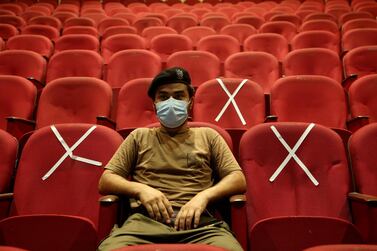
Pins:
<point x="179" y="166"/>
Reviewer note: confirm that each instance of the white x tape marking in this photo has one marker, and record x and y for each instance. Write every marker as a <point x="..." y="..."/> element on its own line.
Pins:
<point x="231" y="99"/>
<point x="69" y="151"/>
<point x="292" y="154"/>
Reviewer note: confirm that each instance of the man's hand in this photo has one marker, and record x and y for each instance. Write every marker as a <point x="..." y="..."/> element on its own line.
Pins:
<point x="189" y="215"/>
<point x="156" y="203"/>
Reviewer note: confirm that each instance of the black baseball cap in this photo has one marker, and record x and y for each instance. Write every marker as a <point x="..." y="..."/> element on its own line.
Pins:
<point x="170" y="76"/>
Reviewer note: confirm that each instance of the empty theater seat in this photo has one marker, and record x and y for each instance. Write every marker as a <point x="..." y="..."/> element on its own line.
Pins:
<point x="43" y="205"/>
<point x="361" y="145"/>
<point x="295" y="214"/>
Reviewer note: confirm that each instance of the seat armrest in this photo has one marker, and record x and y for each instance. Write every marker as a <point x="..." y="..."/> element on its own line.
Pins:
<point x="6" y="196"/>
<point x="346" y="83"/>
<point x="19" y="126"/>
<point x="366" y="199"/>
<point x="105" y="121"/>
<point x="356" y="123"/>
<point x="239" y="222"/>
<point x="344" y="135"/>
<point x="238" y="200"/>
<point x="5" y="202"/>
<point x="108" y="214"/>
<point x="364" y="215"/>
<point x="38" y="84"/>
<point x="271" y="118"/>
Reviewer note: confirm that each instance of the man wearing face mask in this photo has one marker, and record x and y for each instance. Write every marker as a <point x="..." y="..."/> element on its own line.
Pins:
<point x="172" y="169"/>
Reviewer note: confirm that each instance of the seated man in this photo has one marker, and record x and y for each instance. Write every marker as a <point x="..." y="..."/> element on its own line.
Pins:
<point x="172" y="169"/>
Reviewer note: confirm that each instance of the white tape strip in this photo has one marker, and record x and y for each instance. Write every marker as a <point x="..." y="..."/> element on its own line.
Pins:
<point x="69" y="151"/>
<point x="292" y="154"/>
<point x="231" y="99"/>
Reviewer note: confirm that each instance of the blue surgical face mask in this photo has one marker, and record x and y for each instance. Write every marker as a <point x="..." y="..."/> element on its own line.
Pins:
<point x="172" y="112"/>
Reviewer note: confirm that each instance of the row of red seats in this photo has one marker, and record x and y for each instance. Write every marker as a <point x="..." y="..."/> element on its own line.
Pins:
<point x="335" y="8"/>
<point x="126" y="65"/>
<point x="165" y="40"/>
<point x="294" y="204"/>
<point x="231" y="103"/>
<point x="241" y="16"/>
<point x="180" y="21"/>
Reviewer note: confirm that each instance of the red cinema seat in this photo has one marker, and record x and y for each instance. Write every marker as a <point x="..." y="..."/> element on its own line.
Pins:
<point x="359" y="37"/>
<point x="311" y="99"/>
<point x="221" y="45"/>
<point x="27" y="64"/>
<point x="7" y="31"/>
<point x="134" y="109"/>
<point x="285" y="28"/>
<point x="233" y="104"/>
<point x="319" y="16"/>
<point x="323" y="25"/>
<point x="149" y="33"/>
<point x="109" y="22"/>
<point x="166" y="44"/>
<point x="201" y="65"/>
<point x="121" y="29"/>
<point x="88" y="30"/>
<point x="362" y="100"/>
<point x="316" y="39"/>
<point x="239" y="31"/>
<point x="180" y="22"/>
<point x="215" y="22"/>
<point x="289" y="167"/>
<point x="260" y="67"/>
<point x="9" y="146"/>
<point x="64" y="15"/>
<point x="313" y="61"/>
<point x="16" y="21"/>
<point x="361" y="145"/>
<point x="46" y="20"/>
<point x="121" y="42"/>
<point x="79" y="21"/>
<point x="359" y="23"/>
<point x="143" y="22"/>
<point x="353" y="15"/>
<point x="274" y="44"/>
<point x="130" y="64"/>
<point x="77" y="42"/>
<point x="44" y="213"/>
<point x="17" y="98"/>
<point x="13" y="7"/>
<point x="37" y="43"/>
<point x="40" y="29"/>
<point x="74" y="63"/>
<point x="129" y="17"/>
<point x="195" y="33"/>
<point x="359" y="62"/>
<point x="296" y="20"/>
<point x="73" y="100"/>
<point x="251" y="19"/>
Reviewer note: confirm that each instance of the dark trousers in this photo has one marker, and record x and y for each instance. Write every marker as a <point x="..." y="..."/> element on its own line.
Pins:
<point x="140" y="229"/>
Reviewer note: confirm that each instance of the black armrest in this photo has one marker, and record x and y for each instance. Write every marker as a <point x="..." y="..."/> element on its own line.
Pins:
<point x="36" y="82"/>
<point x="356" y="123"/>
<point x="346" y="83"/>
<point x="19" y="126"/>
<point x="271" y="118"/>
<point x="105" y="121"/>
<point x="369" y="200"/>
